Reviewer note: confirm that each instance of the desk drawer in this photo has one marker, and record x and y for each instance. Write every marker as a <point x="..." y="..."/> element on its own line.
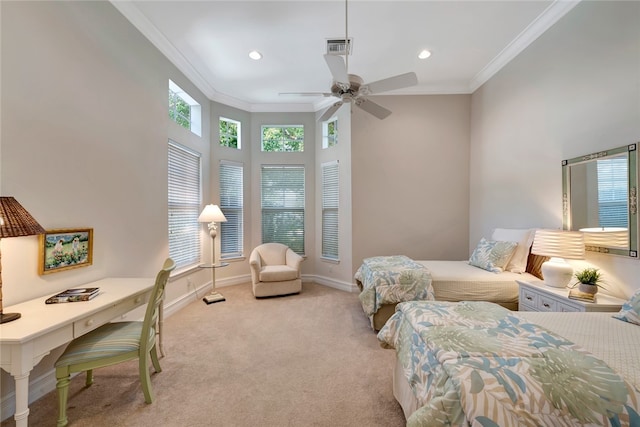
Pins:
<point x="89" y="323"/>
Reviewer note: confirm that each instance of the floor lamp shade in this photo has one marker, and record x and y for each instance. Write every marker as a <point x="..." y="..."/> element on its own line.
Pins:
<point x="212" y="213"/>
<point x="15" y="221"/>
<point x="558" y="245"/>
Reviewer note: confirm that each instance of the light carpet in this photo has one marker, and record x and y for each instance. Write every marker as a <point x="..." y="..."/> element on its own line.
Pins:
<point x="302" y="360"/>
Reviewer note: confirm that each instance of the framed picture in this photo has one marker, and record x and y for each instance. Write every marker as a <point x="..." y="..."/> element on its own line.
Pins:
<point x="64" y="249"/>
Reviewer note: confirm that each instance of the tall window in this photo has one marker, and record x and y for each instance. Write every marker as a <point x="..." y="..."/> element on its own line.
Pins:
<point x="229" y="133"/>
<point x="231" y="204"/>
<point x="283" y="138"/>
<point x="330" y="133"/>
<point x="612" y="192"/>
<point x="283" y="206"/>
<point x="184" y="205"/>
<point x="330" y="188"/>
<point x="184" y="110"/>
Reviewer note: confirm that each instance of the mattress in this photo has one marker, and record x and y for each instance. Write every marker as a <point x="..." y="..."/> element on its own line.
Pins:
<point x="459" y="281"/>
<point x="612" y="340"/>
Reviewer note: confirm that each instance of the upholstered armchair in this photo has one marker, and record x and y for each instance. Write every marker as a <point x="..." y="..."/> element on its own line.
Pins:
<point x="275" y="270"/>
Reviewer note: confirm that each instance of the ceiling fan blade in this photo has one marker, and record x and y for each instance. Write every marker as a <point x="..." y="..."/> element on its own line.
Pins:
<point x="330" y="111"/>
<point x="372" y="108"/>
<point x="392" y="83"/>
<point x="325" y="94"/>
<point x="338" y="69"/>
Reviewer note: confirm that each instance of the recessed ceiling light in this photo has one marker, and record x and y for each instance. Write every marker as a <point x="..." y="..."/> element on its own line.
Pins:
<point x="424" y="54"/>
<point x="254" y="54"/>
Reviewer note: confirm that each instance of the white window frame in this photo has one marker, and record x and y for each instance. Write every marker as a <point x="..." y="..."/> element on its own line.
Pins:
<point x="195" y="118"/>
<point x="184" y="202"/>
<point x="281" y="150"/>
<point x="327" y="139"/>
<point x="330" y="210"/>
<point x="280" y="202"/>
<point x="239" y="126"/>
<point x="231" y="190"/>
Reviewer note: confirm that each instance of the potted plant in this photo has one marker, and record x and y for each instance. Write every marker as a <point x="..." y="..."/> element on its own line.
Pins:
<point x="589" y="280"/>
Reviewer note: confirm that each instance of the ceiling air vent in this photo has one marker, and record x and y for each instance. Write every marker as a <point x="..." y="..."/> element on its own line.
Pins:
<point x="339" y="46"/>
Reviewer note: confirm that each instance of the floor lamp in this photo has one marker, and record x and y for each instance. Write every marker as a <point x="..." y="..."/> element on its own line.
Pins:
<point x="14" y="221"/>
<point x="212" y="214"/>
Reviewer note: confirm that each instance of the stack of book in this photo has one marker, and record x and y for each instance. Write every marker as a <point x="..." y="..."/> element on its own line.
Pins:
<point x="582" y="296"/>
<point x="73" y="295"/>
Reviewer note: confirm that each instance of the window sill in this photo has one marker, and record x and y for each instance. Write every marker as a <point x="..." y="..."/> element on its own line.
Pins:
<point x="330" y="260"/>
<point x="233" y="259"/>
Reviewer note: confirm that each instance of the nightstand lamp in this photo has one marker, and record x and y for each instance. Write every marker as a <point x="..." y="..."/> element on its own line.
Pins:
<point x="14" y="221"/>
<point x="609" y="237"/>
<point x="212" y="214"/>
<point x="558" y="245"/>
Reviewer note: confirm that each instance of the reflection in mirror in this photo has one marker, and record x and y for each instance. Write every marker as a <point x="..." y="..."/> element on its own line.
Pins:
<point x="599" y="199"/>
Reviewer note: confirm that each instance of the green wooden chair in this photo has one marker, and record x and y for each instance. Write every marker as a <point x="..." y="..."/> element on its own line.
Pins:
<point x="113" y="343"/>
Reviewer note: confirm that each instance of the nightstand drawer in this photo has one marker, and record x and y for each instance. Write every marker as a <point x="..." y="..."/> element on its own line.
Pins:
<point x="528" y="299"/>
<point x="546" y="304"/>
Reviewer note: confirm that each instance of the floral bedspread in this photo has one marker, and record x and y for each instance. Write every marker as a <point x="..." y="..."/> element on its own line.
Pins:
<point x="392" y="279"/>
<point x="478" y="364"/>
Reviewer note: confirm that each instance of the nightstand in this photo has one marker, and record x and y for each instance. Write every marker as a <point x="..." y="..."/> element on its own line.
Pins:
<point x="536" y="296"/>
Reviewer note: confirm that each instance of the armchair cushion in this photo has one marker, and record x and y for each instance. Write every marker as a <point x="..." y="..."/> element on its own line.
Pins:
<point x="277" y="273"/>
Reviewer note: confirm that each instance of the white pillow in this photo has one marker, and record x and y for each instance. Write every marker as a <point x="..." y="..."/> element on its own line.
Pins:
<point x="492" y="255"/>
<point x="524" y="239"/>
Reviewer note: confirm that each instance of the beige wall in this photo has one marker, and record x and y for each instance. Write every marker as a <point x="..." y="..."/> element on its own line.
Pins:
<point x="410" y="178"/>
<point x="84" y="144"/>
<point x="574" y="91"/>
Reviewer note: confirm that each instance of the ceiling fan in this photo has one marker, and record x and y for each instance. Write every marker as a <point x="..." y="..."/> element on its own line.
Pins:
<point x="350" y="88"/>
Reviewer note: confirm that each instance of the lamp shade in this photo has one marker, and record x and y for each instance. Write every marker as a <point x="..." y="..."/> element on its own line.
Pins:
<point x="212" y="213"/>
<point x="15" y="220"/>
<point x="617" y="237"/>
<point x="558" y="243"/>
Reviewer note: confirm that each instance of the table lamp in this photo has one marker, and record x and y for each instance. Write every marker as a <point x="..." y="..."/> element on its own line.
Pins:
<point x="558" y="245"/>
<point x="608" y="237"/>
<point x="212" y="214"/>
<point x="14" y="221"/>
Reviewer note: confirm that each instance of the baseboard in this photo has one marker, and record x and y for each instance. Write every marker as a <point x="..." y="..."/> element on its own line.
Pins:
<point x="332" y="283"/>
<point x="38" y="387"/>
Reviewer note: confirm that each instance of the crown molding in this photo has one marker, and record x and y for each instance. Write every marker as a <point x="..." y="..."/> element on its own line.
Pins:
<point x="542" y="23"/>
<point x="131" y="12"/>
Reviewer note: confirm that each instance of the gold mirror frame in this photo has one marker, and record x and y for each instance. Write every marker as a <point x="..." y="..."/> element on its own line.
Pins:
<point x="632" y="186"/>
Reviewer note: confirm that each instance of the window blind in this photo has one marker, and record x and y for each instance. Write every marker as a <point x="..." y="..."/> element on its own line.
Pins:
<point x="612" y="193"/>
<point x="283" y="206"/>
<point x="231" y="204"/>
<point x="184" y="205"/>
<point x="330" y="203"/>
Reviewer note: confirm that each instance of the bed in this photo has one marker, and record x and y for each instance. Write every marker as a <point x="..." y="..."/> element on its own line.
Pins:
<point x="483" y="277"/>
<point x="476" y="363"/>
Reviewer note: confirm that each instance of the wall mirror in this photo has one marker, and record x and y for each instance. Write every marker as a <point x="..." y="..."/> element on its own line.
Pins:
<point x="599" y="193"/>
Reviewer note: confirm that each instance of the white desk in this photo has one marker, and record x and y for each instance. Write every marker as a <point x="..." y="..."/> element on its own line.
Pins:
<point x="44" y="327"/>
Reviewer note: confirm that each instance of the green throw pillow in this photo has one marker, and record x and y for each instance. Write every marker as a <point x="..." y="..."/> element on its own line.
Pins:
<point x="492" y="255"/>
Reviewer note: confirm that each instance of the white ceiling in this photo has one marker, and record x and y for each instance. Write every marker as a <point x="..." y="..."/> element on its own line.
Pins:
<point x="209" y="42"/>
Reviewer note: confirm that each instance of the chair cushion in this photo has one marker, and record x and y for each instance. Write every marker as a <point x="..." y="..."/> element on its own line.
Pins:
<point x="108" y="340"/>
<point x="277" y="273"/>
